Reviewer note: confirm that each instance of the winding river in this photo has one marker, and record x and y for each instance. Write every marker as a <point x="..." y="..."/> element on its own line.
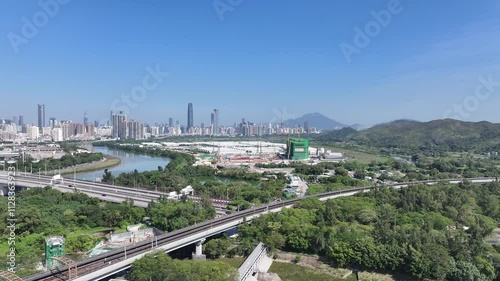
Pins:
<point x="129" y="162"/>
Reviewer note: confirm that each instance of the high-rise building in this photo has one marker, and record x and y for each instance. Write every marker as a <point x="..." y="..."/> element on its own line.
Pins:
<point x="89" y="130"/>
<point x="212" y="118"/>
<point x="119" y="125"/>
<point x="135" y="130"/>
<point x="21" y="120"/>
<point x="190" y="116"/>
<point x="41" y="116"/>
<point x="170" y="122"/>
<point x="216" y="121"/>
<point x="52" y="122"/>
<point x="35" y="132"/>
<point x="85" y="119"/>
<point x="15" y="120"/>
<point x="57" y="134"/>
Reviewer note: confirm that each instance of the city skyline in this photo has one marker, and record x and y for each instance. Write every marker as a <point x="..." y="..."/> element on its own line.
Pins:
<point x="257" y="61"/>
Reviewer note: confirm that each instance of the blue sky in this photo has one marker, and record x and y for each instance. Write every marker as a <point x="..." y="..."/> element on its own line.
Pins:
<point x="261" y="60"/>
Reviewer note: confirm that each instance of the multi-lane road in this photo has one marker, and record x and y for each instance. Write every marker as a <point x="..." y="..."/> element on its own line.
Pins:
<point x="141" y="197"/>
<point x="105" y="265"/>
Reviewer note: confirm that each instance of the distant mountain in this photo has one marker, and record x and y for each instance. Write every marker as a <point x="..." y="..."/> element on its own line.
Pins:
<point x="414" y="136"/>
<point x="358" y="127"/>
<point x="315" y="120"/>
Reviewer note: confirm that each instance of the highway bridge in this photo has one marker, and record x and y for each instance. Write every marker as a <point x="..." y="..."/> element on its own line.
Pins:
<point x="113" y="193"/>
<point x="110" y="263"/>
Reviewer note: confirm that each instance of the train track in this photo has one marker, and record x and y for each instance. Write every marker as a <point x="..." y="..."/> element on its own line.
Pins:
<point x="101" y="261"/>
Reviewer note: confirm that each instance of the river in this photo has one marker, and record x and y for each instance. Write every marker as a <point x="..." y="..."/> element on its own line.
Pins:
<point x="129" y="162"/>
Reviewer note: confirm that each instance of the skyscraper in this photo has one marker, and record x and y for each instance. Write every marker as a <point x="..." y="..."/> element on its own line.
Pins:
<point x="41" y="116"/>
<point x="85" y="119"/>
<point x="52" y="122"/>
<point x="119" y="126"/>
<point x="170" y="122"/>
<point x="190" y="116"/>
<point x="21" y="120"/>
<point x="216" y="121"/>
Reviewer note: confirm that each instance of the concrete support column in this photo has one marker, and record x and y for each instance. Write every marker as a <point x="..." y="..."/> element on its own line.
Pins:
<point x="198" y="254"/>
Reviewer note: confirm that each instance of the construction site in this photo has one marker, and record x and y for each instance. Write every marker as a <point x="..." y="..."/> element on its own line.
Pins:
<point x="236" y="153"/>
<point x="133" y="235"/>
<point x="230" y="152"/>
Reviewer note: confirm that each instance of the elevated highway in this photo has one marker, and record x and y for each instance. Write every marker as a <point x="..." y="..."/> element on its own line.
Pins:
<point x="108" y="264"/>
<point x="104" y="191"/>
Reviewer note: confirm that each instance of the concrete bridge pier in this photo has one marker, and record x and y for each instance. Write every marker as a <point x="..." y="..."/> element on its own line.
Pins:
<point x="198" y="254"/>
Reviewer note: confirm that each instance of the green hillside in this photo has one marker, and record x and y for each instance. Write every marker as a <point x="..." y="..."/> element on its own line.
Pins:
<point x="429" y="137"/>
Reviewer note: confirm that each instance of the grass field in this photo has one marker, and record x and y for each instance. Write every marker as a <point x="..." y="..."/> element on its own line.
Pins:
<point x="289" y="271"/>
<point x="109" y="162"/>
<point x="304" y="271"/>
<point x="294" y="272"/>
<point x="234" y="262"/>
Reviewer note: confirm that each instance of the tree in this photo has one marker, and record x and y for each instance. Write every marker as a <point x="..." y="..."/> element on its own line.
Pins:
<point x="160" y="267"/>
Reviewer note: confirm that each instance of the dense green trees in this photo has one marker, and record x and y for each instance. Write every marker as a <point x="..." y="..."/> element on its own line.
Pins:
<point x="434" y="232"/>
<point x="45" y="212"/>
<point x="216" y="248"/>
<point x="160" y="267"/>
<point x="68" y="160"/>
<point x="169" y="215"/>
<point x="236" y="185"/>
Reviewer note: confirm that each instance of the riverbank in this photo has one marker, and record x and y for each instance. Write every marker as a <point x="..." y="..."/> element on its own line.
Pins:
<point x="108" y="162"/>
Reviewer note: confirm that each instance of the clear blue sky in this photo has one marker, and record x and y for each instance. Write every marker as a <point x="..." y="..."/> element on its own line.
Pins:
<point x="264" y="59"/>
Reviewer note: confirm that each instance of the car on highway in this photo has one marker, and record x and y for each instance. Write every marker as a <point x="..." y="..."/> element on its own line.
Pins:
<point x="104" y="195"/>
<point x="70" y="185"/>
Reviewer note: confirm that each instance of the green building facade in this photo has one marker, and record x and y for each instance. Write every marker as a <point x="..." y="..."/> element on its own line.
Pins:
<point x="297" y="149"/>
<point x="54" y="247"/>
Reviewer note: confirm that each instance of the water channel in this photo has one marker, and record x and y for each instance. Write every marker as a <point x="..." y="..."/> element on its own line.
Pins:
<point x="129" y="162"/>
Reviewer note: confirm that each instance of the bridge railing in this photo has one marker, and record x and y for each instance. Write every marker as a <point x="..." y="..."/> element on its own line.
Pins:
<point x="248" y="267"/>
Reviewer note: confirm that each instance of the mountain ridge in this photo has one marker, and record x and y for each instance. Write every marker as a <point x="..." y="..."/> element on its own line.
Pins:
<point x="436" y="135"/>
<point x="315" y="120"/>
